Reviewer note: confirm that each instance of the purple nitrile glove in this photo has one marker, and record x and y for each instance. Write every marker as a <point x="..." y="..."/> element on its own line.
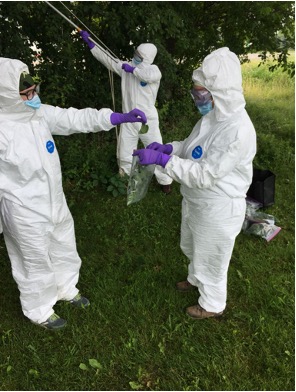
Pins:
<point x="134" y="115"/>
<point x="151" y="157"/>
<point x="127" y="68"/>
<point x="165" y="148"/>
<point x="85" y="36"/>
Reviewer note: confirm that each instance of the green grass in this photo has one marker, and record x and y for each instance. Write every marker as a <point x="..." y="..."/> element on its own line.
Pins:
<point x="136" y="329"/>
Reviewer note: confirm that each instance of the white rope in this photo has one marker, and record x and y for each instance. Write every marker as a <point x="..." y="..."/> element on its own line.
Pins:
<point x="116" y="127"/>
<point x="111" y="80"/>
<point x="88" y="29"/>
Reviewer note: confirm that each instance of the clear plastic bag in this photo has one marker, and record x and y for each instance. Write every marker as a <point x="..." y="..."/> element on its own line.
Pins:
<point x="264" y="230"/>
<point x="259" y="217"/>
<point x="259" y="223"/>
<point x="139" y="181"/>
<point x="253" y="205"/>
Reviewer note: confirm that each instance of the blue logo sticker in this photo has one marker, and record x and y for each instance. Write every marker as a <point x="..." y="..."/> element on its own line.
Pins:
<point x="143" y="84"/>
<point x="197" y="152"/>
<point x="50" y="146"/>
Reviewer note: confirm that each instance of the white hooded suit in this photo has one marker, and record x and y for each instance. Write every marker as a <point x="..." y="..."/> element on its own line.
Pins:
<point x="139" y="90"/>
<point x="37" y="225"/>
<point x="214" y="167"/>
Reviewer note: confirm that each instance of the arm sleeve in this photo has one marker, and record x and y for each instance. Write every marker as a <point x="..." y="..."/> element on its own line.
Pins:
<point x="68" y="121"/>
<point x="107" y="60"/>
<point x="177" y="148"/>
<point x="148" y="74"/>
<point x="221" y="159"/>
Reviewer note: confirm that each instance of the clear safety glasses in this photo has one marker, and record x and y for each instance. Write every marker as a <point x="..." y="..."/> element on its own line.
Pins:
<point x="200" y="97"/>
<point x="30" y="94"/>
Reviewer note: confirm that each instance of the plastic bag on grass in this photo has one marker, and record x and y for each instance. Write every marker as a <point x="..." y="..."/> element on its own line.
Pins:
<point x="253" y="205"/>
<point x="139" y="181"/>
<point x="259" y="223"/>
<point x="260" y="217"/>
<point x="264" y="230"/>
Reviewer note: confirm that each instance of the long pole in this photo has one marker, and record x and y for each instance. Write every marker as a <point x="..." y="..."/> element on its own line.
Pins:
<point x="67" y="19"/>
<point x="79" y="29"/>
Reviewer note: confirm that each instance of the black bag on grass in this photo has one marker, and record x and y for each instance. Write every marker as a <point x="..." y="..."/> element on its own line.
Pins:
<point x="262" y="188"/>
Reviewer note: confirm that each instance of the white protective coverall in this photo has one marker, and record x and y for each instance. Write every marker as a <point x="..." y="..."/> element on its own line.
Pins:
<point x="37" y="224"/>
<point x="139" y="90"/>
<point x="214" y="167"/>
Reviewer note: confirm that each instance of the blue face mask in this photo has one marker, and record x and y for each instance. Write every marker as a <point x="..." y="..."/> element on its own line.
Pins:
<point x="33" y="103"/>
<point x="205" y="109"/>
<point x="136" y="61"/>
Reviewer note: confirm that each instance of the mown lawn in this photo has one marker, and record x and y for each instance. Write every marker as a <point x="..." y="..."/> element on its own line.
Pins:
<point x="135" y="335"/>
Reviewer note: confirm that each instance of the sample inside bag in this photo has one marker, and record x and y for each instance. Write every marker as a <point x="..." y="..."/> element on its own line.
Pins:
<point x="139" y="181"/>
<point x="259" y="223"/>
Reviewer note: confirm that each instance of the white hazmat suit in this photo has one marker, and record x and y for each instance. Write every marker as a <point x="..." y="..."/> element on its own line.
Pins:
<point x="37" y="224"/>
<point x="214" y="167"/>
<point x="139" y="89"/>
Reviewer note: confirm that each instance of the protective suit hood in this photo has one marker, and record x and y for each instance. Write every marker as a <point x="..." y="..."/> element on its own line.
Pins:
<point x="10" y="100"/>
<point x="220" y="73"/>
<point x="148" y="52"/>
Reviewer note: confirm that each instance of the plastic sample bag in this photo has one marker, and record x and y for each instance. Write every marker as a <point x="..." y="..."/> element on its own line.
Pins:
<point x="258" y="223"/>
<point x="139" y="181"/>
<point x="264" y="230"/>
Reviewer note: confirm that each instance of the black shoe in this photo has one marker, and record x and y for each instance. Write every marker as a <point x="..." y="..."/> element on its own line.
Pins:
<point x="54" y="322"/>
<point x="79" y="301"/>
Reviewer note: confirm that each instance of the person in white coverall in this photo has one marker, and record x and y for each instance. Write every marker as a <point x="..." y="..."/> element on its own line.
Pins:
<point x="37" y="224"/>
<point x="214" y="167"/>
<point x="140" y="80"/>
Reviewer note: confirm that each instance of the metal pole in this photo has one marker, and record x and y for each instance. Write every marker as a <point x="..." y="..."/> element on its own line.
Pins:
<point x="67" y="19"/>
<point x="79" y="29"/>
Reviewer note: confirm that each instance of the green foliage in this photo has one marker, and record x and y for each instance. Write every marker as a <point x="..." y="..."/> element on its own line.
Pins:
<point x="117" y="185"/>
<point x="94" y="364"/>
<point x="184" y="32"/>
<point x="144" y="129"/>
<point x="96" y="169"/>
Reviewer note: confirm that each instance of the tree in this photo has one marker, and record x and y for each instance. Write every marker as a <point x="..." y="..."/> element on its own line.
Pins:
<point x="184" y="32"/>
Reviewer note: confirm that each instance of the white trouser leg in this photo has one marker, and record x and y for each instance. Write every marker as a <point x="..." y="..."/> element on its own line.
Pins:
<point x="208" y="236"/>
<point x="35" y="252"/>
<point x="186" y="242"/>
<point x="128" y="142"/>
<point x="64" y="258"/>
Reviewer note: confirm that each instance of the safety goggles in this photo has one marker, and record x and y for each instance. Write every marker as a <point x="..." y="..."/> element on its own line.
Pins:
<point x="138" y="57"/>
<point x="30" y="94"/>
<point x="200" y="97"/>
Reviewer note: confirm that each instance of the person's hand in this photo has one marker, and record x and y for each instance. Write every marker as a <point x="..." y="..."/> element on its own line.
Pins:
<point x="165" y="148"/>
<point x="127" y="68"/>
<point x="151" y="157"/>
<point x="133" y="116"/>
<point x="85" y="36"/>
